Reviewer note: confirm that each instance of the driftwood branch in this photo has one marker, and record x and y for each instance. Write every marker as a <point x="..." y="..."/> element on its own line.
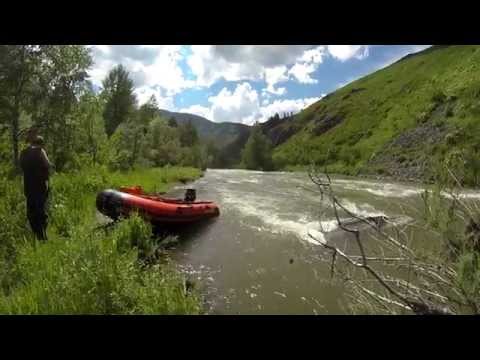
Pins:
<point x="401" y="293"/>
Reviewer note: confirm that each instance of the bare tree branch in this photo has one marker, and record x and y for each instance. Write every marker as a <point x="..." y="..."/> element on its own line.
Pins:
<point x="418" y="298"/>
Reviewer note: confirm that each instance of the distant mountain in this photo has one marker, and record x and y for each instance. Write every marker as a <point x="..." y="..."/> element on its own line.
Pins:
<point x="228" y="137"/>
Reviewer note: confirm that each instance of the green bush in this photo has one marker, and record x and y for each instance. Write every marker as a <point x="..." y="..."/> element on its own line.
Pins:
<point x="89" y="275"/>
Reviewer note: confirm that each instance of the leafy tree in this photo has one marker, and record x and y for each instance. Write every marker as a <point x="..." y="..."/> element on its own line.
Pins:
<point x="163" y="143"/>
<point x="188" y="134"/>
<point x="63" y="73"/>
<point x="148" y="111"/>
<point x="118" y="89"/>
<point x="18" y="74"/>
<point x="91" y="137"/>
<point x="257" y="154"/>
<point x="125" y="141"/>
<point x="40" y="81"/>
<point x="172" y="122"/>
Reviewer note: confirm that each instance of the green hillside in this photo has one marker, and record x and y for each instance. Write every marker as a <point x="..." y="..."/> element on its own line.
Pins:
<point x="398" y="121"/>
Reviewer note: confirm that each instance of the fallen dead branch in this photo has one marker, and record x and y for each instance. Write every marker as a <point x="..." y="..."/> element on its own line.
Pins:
<point x="430" y="287"/>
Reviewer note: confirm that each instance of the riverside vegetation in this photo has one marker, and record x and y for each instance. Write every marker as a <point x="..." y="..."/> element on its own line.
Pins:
<point x="83" y="269"/>
<point x="95" y="140"/>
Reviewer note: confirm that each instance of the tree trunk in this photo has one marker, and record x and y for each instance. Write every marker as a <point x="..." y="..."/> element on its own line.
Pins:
<point x="15" y="125"/>
<point x="16" y="113"/>
<point x="134" y="152"/>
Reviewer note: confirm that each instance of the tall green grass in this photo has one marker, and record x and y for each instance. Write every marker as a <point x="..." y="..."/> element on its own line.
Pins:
<point x="81" y="269"/>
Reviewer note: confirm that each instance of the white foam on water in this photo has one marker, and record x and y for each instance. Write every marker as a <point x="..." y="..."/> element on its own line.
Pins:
<point x="302" y="226"/>
<point x="365" y="210"/>
<point x="305" y="226"/>
<point x="269" y="217"/>
<point x="234" y="171"/>
<point x="316" y="237"/>
<point x="328" y="225"/>
<point x="394" y="192"/>
<point x="233" y="182"/>
<point x="463" y="195"/>
<point x="380" y="189"/>
<point x="236" y="182"/>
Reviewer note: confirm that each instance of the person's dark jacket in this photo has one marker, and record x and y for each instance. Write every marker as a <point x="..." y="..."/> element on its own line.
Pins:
<point x="36" y="169"/>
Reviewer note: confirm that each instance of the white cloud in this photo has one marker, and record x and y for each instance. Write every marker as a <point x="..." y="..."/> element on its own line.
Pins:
<point x="103" y="48"/>
<point x="274" y="76"/>
<point x="241" y="105"/>
<point x="158" y="66"/>
<point x="265" y="55"/>
<point x="307" y="64"/>
<point x="346" y="52"/>
<point x="286" y="106"/>
<point x="302" y="71"/>
<point x="198" y="110"/>
<point x="149" y="66"/>
<point x="165" y="71"/>
<point x="208" y="67"/>
<point x="164" y="101"/>
<point x="254" y="63"/>
<point x="244" y="106"/>
<point x="314" y="56"/>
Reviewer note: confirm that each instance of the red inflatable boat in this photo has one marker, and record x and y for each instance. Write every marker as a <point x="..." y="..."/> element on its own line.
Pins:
<point x="156" y="209"/>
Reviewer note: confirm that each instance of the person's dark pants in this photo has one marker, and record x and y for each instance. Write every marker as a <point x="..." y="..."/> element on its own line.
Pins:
<point x="37" y="214"/>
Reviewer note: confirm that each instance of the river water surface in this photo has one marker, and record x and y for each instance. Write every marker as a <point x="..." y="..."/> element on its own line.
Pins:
<point x="257" y="257"/>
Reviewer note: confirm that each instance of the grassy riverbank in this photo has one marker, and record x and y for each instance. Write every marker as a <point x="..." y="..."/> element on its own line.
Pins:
<point x="81" y="270"/>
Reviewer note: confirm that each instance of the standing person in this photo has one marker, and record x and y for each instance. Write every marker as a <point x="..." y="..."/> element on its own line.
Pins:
<point x="36" y="172"/>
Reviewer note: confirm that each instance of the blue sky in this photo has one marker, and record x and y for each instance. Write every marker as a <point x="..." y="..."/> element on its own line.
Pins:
<point x="242" y="83"/>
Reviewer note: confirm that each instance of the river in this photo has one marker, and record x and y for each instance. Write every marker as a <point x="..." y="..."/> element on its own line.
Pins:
<point x="257" y="257"/>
